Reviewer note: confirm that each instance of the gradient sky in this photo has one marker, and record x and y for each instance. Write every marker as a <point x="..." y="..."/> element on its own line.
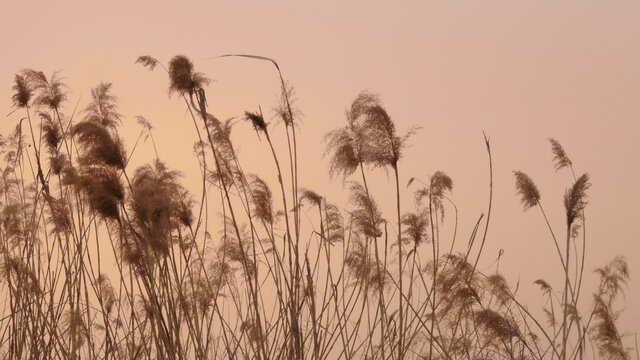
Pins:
<point x="521" y="71"/>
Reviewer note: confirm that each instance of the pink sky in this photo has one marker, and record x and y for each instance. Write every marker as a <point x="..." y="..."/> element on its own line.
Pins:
<point x="522" y="71"/>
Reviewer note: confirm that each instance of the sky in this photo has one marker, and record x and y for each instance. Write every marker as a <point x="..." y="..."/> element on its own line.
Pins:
<point x="519" y="71"/>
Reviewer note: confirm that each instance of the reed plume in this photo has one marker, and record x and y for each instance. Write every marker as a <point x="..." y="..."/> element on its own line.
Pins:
<point x="335" y="224"/>
<point x="362" y="216"/>
<point x="529" y="194"/>
<point x="560" y="157"/>
<point x="184" y="80"/>
<point x="157" y="206"/>
<point x="262" y="199"/>
<point x="23" y="91"/>
<point x="613" y="278"/>
<point x="103" y="108"/>
<point x="256" y="120"/>
<point x="51" y="132"/>
<point x="98" y="145"/>
<point x="103" y="190"/>
<point x="575" y="199"/>
<point x="147" y="61"/>
<point x="497" y="326"/>
<point x="415" y="227"/>
<point x="50" y="92"/>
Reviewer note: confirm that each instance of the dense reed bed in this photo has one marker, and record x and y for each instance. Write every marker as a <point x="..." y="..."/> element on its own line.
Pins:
<point x="261" y="281"/>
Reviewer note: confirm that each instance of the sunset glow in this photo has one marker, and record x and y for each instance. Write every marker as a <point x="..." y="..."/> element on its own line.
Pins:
<point x="494" y="135"/>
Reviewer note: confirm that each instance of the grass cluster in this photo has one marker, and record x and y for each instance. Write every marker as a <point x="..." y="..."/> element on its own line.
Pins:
<point x="263" y="281"/>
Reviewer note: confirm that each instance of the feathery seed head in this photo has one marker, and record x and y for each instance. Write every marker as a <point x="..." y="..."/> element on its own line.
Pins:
<point x="262" y="199"/>
<point x="98" y="145"/>
<point x="23" y="91"/>
<point x="183" y="78"/>
<point x="311" y="196"/>
<point x="256" y="120"/>
<point x="529" y="194"/>
<point x="103" y="108"/>
<point x="575" y="199"/>
<point x="560" y="157"/>
<point x="147" y="61"/>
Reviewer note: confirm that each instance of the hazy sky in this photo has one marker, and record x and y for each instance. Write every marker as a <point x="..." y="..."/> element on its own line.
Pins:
<point x="521" y="71"/>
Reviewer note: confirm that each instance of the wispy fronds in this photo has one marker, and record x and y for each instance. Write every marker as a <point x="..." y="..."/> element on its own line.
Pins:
<point x="201" y="293"/>
<point x="15" y="144"/>
<point x="103" y="107"/>
<point x="383" y="145"/>
<point x="182" y="210"/>
<point x="103" y="189"/>
<point x="225" y="173"/>
<point x="575" y="198"/>
<point x="106" y="293"/>
<point x="310" y="196"/>
<point x="364" y="268"/>
<point x="131" y="249"/>
<point x="147" y="61"/>
<point x="221" y="274"/>
<point x="496" y="325"/>
<point x="74" y="327"/>
<point x="560" y="157"/>
<point x="15" y="228"/>
<point x="358" y="261"/>
<point x="439" y="184"/>
<point x="529" y="194"/>
<point x="256" y="120"/>
<point x="68" y="173"/>
<point x="613" y="277"/>
<point x="498" y="286"/>
<point x="236" y="249"/>
<point x="551" y="319"/>
<point x="366" y="215"/>
<point x="58" y="162"/>
<point x="335" y="224"/>
<point x="250" y="327"/>
<point x="361" y="105"/>
<point x="50" y="92"/>
<point x="606" y="334"/>
<point x="98" y="146"/>
<point x="18" y="272"/>
<point x="51" y="132"/>
<point x="415" y="227"/>
<point x="286" y="106"/>
<point x="23" y="91"/>
<point x="262" y="199"/>
<point x="345" y="151"/>
<point x="347" y="145"/>
<point x="155" y="201"/>
<point x="59" y="214"/>
<point x="544" y="286"/>
<point x="142" y="121"/>
<point x="184" y="80"/>
<point x="457" y="283"/>
<point x="221" y="131"/>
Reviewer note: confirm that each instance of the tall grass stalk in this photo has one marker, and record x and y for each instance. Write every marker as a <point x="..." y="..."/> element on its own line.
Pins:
<point x="99" y="260"/>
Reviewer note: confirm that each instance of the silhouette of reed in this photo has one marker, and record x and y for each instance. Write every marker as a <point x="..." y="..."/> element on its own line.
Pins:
<point x="101" y="261"/>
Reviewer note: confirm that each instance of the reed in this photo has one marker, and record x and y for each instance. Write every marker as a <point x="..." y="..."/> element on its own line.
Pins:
<point x="242" y="271"/>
